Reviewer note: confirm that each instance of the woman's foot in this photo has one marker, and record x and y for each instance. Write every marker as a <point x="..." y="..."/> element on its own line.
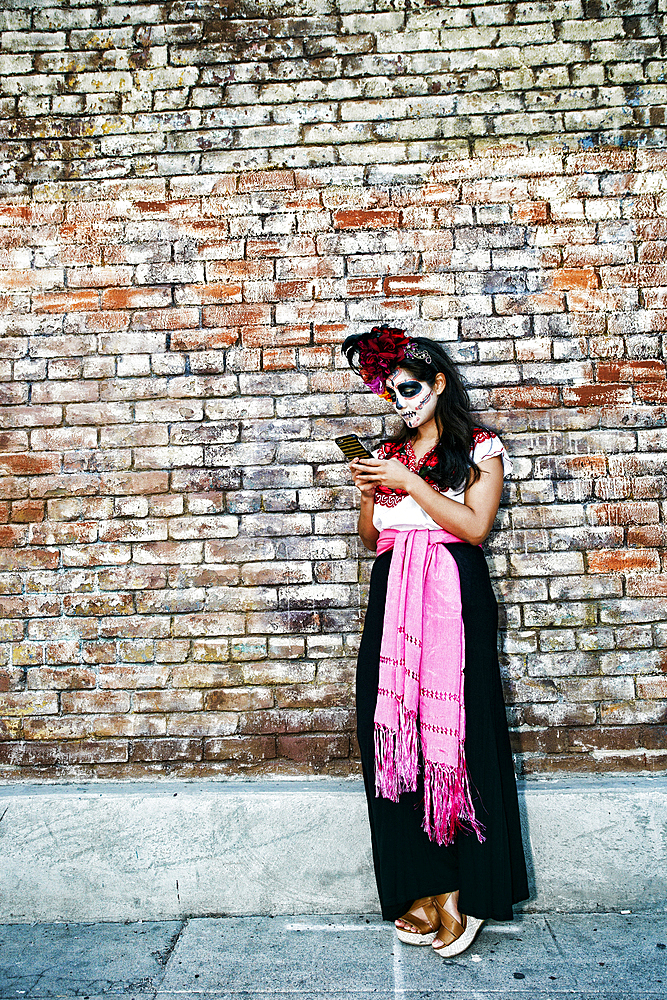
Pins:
<point x="421" y="923"/>
<point x="457" y="931"/>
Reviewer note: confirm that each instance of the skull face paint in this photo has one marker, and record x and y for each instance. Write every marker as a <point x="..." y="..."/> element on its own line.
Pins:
<point x="413" y="400"/>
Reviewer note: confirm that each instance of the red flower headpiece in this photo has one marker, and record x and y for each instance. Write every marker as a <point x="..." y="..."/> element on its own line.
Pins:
<point x="381" y="352"/>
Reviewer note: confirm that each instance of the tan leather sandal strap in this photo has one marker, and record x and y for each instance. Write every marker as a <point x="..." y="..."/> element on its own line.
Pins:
<point x="423" y="915"/>
<point x="450" y="928"/>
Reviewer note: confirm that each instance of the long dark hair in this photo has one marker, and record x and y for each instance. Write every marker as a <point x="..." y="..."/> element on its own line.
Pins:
<point x="454" y="467"/>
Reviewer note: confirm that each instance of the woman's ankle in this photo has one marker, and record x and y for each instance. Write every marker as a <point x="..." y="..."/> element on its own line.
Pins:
<point x="452" y="905"/>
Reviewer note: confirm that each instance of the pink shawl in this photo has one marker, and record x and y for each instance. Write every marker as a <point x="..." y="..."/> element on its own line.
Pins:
<point x="422" y="659"/>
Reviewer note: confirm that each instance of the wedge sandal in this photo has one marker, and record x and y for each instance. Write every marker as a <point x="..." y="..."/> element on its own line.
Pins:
<point x="453" y="937"/>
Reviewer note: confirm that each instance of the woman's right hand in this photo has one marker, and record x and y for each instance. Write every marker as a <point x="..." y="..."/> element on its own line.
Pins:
<point x="367" y="490"/>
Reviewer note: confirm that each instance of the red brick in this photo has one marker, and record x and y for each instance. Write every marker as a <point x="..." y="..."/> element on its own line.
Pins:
<point x="98" y="652"/>
<point x="631" y="371"/>
<point x="622" y="560"/>
<point x="293" y="246"/>
<point x="98" y="322"/>
<point x="209" y="339"/>
<point x="652" y="393"/>
<point x="600" y="300"/>
<point x="135" y="298"/>
<point x="94" y="604"/>
<point x="95" y="555"/>
<point x="654" y="535"/>
<point x="623" y="513"/>
<point x="360" y="287"/>
<point x="654" y="585"/>
<point x="529" y="397"/>
<point x="575" y="277"/>
<point x="11" y="535"/>
<point x="653" y="252"/>
<point x="134" y="626"/>
<point x="635" y="275"/>
<point x="79" y="390"/>
<point x="30" y="416"/>
<point x="278" y="359"/>
<point x="281" y="290"/>
<point x="215" y="290"/>
<point x="23" y="559"/>
<point x="597" y="395"/>
<point x="132" y="578"/>
<point x="604" y="161"/>
<point x="65" y="302"/>
<point x="29" y="465"/>
<point x="652" y="687"/>
<point x="30" y="215"/>
<point x="235" y="270"/>
<point x="367" y="219"/>
<point x="530" y="211"/>
<point x="30" y="606"/>
<point x="132" y="483"/>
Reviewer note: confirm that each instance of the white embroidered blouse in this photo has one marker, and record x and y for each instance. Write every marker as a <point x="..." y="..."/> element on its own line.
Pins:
<point x="397" y="509"/>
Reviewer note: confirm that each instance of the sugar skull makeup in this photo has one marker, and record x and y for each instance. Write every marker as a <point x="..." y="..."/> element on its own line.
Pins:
<point x="414" y="401"/>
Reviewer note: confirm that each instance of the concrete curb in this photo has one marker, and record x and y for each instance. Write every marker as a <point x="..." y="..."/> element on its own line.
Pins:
<point x="167" y="850"/>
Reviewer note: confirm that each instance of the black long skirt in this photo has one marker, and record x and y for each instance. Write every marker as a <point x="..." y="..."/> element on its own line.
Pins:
<point x="490" y="876"/>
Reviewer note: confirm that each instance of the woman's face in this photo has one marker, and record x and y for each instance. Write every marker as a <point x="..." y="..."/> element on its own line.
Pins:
<point x="413" y="400"/>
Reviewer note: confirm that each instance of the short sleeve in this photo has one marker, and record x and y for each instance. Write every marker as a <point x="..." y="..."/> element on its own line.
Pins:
<point x="486" y="444"/>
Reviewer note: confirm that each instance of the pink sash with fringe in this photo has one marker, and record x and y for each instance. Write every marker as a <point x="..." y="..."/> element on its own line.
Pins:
<point x="420" y="694"/>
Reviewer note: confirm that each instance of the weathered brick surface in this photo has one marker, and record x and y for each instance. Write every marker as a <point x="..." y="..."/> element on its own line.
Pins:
<point x="197" y="206"/>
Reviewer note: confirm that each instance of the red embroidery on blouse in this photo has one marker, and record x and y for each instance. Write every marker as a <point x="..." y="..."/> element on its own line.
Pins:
<point x="404" y="452"/>
<point x="479" y="435"/>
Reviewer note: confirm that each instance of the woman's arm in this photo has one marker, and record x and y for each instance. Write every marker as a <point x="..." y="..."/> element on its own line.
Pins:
<point x="471" y="521"/>
<point x="367" y="531"/>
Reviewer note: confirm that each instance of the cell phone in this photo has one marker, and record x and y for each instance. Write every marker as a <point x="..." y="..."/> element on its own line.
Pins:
<point x="352" y="447"/>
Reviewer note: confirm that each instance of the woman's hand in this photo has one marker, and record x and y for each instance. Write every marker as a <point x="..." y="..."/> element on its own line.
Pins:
<point x="368" y="473"/>
<point x="366" y="488"/>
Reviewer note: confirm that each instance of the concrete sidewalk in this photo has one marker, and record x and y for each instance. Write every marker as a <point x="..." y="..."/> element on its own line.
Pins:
<point x="605" y="956"/>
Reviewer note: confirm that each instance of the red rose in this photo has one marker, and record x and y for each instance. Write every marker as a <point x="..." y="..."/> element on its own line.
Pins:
<point x="383" y="351"/>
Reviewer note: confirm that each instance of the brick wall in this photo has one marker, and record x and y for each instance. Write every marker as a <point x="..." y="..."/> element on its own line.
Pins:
<point x="198" y="204"/>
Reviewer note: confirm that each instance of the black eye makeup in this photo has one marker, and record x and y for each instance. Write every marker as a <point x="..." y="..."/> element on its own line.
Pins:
<point x="409" y="389"/>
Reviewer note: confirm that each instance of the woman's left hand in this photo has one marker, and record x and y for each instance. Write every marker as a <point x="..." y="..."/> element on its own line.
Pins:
<point x="384" y="472"/>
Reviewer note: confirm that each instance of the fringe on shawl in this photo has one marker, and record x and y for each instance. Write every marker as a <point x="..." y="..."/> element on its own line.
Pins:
<point x="448" y="806"/>
<point x="397" y="757"/>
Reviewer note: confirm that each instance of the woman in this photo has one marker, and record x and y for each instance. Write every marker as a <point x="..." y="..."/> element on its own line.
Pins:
<point x="435" y="750"/>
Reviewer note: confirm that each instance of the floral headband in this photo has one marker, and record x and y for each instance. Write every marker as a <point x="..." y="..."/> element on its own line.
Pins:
<point x="381" y="352"/>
